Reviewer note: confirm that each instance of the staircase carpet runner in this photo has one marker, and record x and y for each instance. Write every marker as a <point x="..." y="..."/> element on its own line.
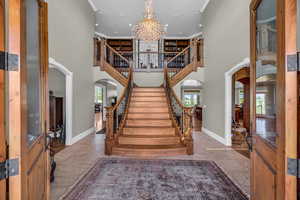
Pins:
<point x="120" y="179"/>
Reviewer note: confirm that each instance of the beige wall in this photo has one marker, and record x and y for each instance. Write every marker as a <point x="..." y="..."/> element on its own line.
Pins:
<point x="226" y="43"/>
<point x="71" y="31"/>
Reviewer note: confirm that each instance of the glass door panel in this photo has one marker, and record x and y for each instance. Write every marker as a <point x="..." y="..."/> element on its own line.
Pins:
<point x="33" y="72"/>
<point x="266" y="70"/>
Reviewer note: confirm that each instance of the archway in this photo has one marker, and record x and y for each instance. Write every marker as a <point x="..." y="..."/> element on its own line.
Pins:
<point x="69" y="95"/>
<point x="228" y="98"/>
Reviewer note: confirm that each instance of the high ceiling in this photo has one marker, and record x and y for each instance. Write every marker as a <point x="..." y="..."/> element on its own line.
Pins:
<point x="116" y="18"/>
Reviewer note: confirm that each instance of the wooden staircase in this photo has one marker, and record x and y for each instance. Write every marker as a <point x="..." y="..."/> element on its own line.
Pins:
<point x="148" y="130"/>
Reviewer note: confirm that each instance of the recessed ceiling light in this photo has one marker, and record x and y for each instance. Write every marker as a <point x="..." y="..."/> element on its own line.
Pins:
<point x="96" y="24"/>
<point x="166" y="25"/>
<point x="200" y="25"/>
<point x="130" y="25"/>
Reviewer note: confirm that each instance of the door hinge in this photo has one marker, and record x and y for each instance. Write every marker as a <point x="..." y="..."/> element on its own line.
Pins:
<point x="293" y="167"/>
<point x="9" y="168"/>
<point x="9" y="62"/>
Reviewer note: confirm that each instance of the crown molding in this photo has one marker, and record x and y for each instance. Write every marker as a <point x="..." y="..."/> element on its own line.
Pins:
<point x="199" y="34"/>
<point x="92" y="5"/>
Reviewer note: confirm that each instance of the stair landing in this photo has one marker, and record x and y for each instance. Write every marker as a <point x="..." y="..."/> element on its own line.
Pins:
<point x="149" y="130"/>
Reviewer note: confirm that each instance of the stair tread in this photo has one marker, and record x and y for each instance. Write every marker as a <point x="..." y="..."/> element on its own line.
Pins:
<point x="150" y="147"/>
<point x="150" y="136"/>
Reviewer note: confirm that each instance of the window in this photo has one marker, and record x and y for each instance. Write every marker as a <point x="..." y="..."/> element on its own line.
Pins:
<point x="241" y="97"/>
<point x="190" y="100"/>
<point x="98" y="94"/>
<point x="260" y="103"/>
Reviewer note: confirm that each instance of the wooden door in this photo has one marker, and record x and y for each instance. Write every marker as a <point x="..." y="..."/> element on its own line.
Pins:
<point x="2" y="100"/>
<point x="274" y="99"/>
<point x="27" y="99"/>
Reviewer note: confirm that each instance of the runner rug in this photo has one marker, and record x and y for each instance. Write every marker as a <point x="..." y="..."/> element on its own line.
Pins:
<point x="130" y="179"/>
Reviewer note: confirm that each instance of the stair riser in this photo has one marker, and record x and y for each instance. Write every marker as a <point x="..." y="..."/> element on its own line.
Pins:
<point x="149" y="131"/>
<point x="149" y="123"/>
<point x="148" y="90"/>
<point x="148" y="110"/>
<point x="147" y="104"/>
<point x="148" y="152"/>
<point x="148" y="94"/>
<point x="149" y="116"/>
<point x="149" y="141"/>
<point x="147" y="99"/>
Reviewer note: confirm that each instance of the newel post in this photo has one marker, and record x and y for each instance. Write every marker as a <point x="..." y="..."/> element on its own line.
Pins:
<point x="103" y="54"/>
<point x="188" y="130"/>
<point x="109" y="135"/>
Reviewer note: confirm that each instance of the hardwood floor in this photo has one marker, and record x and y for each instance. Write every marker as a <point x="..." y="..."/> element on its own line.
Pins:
<point x="75" y="160"/>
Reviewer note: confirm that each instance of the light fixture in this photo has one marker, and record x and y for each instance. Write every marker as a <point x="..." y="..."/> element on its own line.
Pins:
<point x="149" y="29"/>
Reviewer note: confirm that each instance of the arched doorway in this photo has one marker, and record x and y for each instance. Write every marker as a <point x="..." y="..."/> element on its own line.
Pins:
<point x="53" y="64"/>
<point x="191" y="96"/>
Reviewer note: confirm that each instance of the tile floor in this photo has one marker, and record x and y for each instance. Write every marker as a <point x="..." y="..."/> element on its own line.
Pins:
<point x="75" y="160"/>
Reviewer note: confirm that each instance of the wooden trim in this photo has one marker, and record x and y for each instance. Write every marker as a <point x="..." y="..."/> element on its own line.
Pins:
<point x="116" y="52"/>
<point x="14" y="90"/>
<point x="182" y="74"/>
<point x="3" y="144"/>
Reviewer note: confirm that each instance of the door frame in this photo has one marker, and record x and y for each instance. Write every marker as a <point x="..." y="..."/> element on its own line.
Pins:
<point x="3" y="153"/>
<point x="286" y="97"/>
<point x="17" y="131"/>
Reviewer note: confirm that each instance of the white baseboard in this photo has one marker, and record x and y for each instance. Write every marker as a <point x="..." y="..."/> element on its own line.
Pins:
<point x="82" y="135"/>
<point x="215" y="136"/>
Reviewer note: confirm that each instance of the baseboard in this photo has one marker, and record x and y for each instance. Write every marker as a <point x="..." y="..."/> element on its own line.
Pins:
<point x="215" y="136"/>
<point x="82" y="135"/>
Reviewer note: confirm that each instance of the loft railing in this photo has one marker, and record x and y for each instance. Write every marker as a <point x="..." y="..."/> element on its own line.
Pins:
<point x="149" y="61"/>
<point x="181" y="115"/>
<point x="116" y="115"/>
<point x="179" y="61"/>
<point x="120" y="62"/>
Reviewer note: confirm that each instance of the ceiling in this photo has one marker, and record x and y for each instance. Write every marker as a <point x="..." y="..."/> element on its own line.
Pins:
<point x="116" y="18"/>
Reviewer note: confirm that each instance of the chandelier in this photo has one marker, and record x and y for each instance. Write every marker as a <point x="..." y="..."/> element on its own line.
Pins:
<point x="149" y="29"/>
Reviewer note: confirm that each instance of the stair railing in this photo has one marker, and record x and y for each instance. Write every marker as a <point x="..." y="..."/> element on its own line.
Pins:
<point x="181" y="115"/>
<point x="179" y="61"/>
<point x="116" y="116"/>
<point x="117" y="60"/>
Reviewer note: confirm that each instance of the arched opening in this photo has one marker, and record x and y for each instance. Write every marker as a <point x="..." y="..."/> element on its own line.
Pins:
<point x="228" y="98"/>
<point x="106" y="95"/>
<point x="67" y="95"/>
<point x="191" y="97"/>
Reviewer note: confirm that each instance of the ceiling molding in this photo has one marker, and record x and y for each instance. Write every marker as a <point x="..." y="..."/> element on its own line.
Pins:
<point x="131" y="37"/>
<point x="204" y="6"/>
<point x="93" y="6"/>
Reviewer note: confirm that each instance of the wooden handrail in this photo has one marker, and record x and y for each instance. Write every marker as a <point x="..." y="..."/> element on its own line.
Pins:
<point x="111" y="137"/>
<point x="169" y="61"/>
<point x="124" y="90"/>
<point x="186" y="131"/>
<point x="116" y="52"/>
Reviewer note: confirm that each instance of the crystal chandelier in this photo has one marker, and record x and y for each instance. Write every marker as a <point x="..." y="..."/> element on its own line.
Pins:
<point x="149" y="29"/>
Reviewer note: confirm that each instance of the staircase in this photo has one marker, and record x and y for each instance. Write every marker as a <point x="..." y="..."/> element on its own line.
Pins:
<point x="148" y="130"/>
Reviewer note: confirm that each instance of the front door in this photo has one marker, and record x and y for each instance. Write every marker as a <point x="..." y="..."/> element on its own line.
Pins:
<point x="26" y="98"/>
<point x="2" y="100"/>
<point x="274" y="99"/>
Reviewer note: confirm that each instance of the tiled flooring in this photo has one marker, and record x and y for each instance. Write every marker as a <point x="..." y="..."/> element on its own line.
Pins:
<point x="75" y="160"/>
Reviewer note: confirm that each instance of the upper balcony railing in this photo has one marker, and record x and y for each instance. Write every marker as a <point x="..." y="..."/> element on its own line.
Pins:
<point x="151" y="61"/>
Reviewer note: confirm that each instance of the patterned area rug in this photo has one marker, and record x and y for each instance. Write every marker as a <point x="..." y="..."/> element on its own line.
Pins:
<point x="128" y="179"/>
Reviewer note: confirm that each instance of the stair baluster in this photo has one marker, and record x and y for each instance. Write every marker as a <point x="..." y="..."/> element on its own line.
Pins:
<point x="181" y="115"/>
<point x="116" y="116"/>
